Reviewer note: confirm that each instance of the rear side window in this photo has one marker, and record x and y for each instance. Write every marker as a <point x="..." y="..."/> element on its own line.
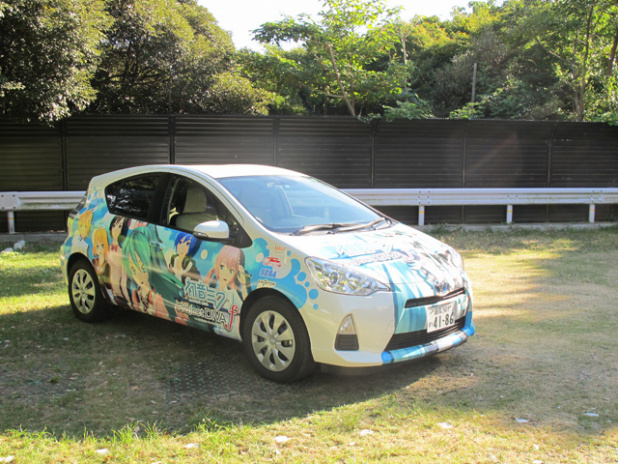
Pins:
<point x="134" y="196"/>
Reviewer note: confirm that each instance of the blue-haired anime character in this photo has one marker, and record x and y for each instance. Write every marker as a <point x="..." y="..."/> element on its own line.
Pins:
<point x="182" y="264"/>
<point x="152" y="290"/>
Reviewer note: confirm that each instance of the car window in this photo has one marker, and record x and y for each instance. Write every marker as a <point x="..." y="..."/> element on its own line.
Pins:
<point x="133" y="197"/>
<point x="287" y="204"/>
<point x="189" y="204"/>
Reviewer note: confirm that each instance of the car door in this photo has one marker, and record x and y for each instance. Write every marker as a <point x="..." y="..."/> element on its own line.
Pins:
<point x="138" y="276"/>
<point x="211" y="273"/>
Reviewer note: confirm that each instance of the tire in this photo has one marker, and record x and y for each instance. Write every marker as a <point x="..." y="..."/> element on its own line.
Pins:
<point x="85" y="293"/>
<point x="276" y="340"/>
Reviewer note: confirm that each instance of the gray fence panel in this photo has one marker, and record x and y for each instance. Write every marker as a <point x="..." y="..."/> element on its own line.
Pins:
<point x="584" y="154"/>
<point x="419" y="154"/>
<point x="335" y="150"/>
<point x="224" y="140"/>
<point x="101" y="144"/>
<point x="31" y="160"/>
<point x="500" y="154"/>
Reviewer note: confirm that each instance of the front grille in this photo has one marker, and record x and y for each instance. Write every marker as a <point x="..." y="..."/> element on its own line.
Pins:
<point x="432" y="300"/>
<point x="421" y="337"/>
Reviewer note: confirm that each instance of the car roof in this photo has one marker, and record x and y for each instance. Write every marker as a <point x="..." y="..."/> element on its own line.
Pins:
<point x="215" y="171"/>
<point x="218" y="171"/>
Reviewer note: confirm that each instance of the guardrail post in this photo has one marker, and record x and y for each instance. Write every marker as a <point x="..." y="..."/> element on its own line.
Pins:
<point x="10" y="215"/>
<point x="509" y="214"/>
<point x="421" y="215"/>
<point x="591" y="212"/>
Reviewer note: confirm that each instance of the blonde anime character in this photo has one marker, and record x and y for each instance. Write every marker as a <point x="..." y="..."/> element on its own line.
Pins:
<point x="100" y="245"/>
<point x="84" y="223"/>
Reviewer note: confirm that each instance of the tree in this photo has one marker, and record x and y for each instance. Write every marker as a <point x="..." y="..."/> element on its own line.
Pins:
<point x="580" y="37"/>
<point x="48" y="54"/>
<point x="168" y="56"/>
<point x="348" y="56"/>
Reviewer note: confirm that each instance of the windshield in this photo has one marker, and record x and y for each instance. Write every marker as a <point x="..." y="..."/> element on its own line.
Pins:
<point x="300" y="204"/>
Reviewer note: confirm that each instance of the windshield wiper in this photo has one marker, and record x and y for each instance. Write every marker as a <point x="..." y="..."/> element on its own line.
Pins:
<point x="316" y="227"/>
<point x="368" y="225"/>
<point x="335" y="227"/>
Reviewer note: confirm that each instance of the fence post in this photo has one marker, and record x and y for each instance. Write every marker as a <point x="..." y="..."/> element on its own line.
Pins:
<point x="591" y="212"/>
<point x="11" y="220"/>
<point x="171" y="129"/>
<point x="421" y="215"/>
<point x="509" y="214"/>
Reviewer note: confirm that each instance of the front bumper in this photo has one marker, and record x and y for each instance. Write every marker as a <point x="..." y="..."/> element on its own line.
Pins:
<point x="378" y="324"/>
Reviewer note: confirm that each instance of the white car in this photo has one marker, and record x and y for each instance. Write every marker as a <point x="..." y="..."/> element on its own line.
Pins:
<point x="299" y="272"/>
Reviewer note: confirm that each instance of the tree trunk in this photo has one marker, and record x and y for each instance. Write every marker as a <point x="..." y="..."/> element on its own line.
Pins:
<point x="349" y="103"/>
<point x="612" y="54"/>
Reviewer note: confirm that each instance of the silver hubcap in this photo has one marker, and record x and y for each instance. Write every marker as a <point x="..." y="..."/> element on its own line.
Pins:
<point x="273" y="341"/>
<point x="83" y="291"/>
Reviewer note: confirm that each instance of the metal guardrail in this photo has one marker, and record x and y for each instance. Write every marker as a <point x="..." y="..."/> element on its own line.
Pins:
<point x="487" y="196"/>
<point x="33" y="201"/>
<point x="29" y="201"/>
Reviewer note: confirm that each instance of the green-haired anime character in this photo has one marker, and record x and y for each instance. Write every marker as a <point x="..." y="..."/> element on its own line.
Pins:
<point x="151" y="288"/>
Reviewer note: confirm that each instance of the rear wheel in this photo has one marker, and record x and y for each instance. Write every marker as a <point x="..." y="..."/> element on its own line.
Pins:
<point x="276" y="340"/>
<point x="85" y="293"/>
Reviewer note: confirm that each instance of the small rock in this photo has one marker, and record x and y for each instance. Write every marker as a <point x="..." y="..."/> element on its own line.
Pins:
<point x="591" y="414"/>
<point x="365" y="432"/>
<point x="102" y="451"/>
<point x="445" y="425"/>
<point x="19" y="245"/>
<point x="522" y="421"/>
<point x="7" y="459"/>
<point x="282" y="439"/>
<point x="192" y="445"/>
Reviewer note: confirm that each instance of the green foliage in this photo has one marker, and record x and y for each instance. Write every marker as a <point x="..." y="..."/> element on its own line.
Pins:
<point x="170" y="57"/>
<point x="341" y="63"/>
<point x="48" y="54"/>
<point x="59" y="57"/>
<point x="469" y="111"/>
<point x="413" y="108"/>
<point x="536" y="59"/>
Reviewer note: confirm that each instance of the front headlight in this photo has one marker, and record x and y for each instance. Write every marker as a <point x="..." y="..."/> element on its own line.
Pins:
<point x="339" y="279"/>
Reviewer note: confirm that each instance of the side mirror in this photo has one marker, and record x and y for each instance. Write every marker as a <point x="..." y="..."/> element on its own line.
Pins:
<point x="212" y="230"/>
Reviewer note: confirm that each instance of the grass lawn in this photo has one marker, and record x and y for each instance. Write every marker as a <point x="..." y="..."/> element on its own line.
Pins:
<point x="537" y="384"/>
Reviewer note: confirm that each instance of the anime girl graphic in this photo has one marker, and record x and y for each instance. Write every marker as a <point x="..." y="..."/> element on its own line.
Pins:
<point x="100" y="247"/>
<point x="149" y="284"/>
<point x="117" y="276"/>
<point x="84" y="224"/>
<point x="182" y="264"/>
<point x="229" y="276"/>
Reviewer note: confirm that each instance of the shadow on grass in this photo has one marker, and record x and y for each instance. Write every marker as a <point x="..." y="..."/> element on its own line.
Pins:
<point x="63" y="376"/>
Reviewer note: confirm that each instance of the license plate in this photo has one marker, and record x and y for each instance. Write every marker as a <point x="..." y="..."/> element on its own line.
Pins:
<point x="440" y="317"/>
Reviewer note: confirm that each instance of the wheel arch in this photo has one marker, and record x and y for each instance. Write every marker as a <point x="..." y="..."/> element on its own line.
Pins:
<point x="261" y="293"/>
<point x="74" y="258"/>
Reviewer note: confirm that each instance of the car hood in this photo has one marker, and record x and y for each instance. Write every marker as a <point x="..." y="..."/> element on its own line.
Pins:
<point x="394" y="255"/>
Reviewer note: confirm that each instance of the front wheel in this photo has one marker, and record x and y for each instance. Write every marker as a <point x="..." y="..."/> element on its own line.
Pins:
<point x="276" y="340"/>
<point x="85" y="293"/>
